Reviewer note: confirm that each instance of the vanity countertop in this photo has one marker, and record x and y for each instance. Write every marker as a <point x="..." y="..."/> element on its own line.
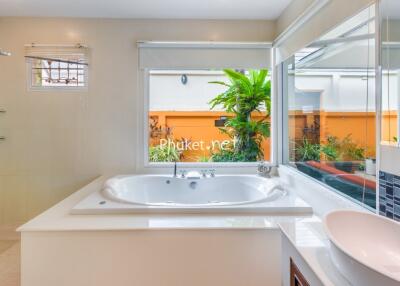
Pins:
<point x="307" y="235"/>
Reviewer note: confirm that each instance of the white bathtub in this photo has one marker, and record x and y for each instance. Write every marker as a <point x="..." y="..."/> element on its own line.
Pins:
<point x="162" y="193"/>
<point x="167" y="191"/>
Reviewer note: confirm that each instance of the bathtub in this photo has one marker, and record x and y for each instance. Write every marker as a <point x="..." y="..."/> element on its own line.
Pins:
<point x="162" y="193"/>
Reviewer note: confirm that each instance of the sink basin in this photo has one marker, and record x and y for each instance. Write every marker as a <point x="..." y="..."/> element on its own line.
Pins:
<point x="364" y="247"/>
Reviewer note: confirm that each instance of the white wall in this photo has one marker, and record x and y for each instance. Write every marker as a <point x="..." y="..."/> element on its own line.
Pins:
<point x="339" y="91"/>
<point x="167" y="93"/>
<point x="57" y="142"/>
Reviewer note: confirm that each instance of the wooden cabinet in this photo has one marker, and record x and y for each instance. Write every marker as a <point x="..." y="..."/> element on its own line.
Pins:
<point x="296" y="277"/>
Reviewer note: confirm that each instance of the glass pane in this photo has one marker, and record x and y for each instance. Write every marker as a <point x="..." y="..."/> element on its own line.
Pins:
<point x="331" y="100"/>
<point x="57" y="74"/>
<point x="201" y="116"/>
<point x="390" y="71"/>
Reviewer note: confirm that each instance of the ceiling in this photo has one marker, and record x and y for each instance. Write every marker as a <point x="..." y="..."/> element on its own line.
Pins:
<point x="146" y="9"/>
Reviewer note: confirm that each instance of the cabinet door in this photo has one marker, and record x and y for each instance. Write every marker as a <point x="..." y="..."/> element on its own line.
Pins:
<point x="296" y="277"/>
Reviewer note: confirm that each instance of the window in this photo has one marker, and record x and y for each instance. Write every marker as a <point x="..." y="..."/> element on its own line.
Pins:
<point x="57" y="68"/>
<point x="209" y="116"/>
<point x="331" y="109"/>
<point x="207" y="103"/>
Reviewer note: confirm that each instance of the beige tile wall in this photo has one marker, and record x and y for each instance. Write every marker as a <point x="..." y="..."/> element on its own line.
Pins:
<point x="58" y="141"/>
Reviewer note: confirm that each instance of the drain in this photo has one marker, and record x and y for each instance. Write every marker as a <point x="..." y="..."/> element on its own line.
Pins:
<point x="102" y="203"/>
<point x="168" y="181"/>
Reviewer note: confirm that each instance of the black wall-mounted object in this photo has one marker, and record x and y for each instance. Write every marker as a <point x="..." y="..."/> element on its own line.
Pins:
<point x="220" y="122"/>
<point x="184" y="79"/>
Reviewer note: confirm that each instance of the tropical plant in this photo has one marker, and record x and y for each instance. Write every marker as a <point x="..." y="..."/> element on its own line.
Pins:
<point x="307" y="151"/>
<point x="163" y="154"/>
<point x="350" y="150"/>
<point x="331" y="150"/>
<point x="244" y="95"/>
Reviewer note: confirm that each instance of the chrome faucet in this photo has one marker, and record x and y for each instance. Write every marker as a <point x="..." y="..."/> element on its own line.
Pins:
<point x="263" y="170"/>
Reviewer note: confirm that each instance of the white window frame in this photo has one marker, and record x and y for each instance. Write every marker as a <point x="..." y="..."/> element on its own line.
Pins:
<point x="71" y="88"/>
<point x="143" y="165"/>
<point x="48" y="53"/>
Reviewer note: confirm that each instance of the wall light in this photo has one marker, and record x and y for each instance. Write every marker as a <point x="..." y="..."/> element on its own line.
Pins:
<point x="184" y="79"/>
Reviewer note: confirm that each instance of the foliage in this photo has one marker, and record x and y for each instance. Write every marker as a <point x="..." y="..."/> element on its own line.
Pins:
<point x="308" y="151"/>
<point x="334" y="150"/>
<point x="163" y="154"/>
<point x="244" y="95"/>
<point x="203" y="159"/>
<point x="330" y="151"/>
<point x="346" y="149"/>
<point x="228" y="156"/>
<point x="350" y="151"/>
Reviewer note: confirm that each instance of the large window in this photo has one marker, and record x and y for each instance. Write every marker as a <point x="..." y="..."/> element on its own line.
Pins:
<point x="207" y="103"/>
<point x="331" y="109"/>
<point x="209" y="115"/>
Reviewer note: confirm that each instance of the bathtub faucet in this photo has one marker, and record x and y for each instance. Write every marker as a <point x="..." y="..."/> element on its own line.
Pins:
<point x="264" y="170"/>
<point x="195" y="175"/>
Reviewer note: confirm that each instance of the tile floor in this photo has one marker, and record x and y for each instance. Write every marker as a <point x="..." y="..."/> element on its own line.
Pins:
<point x="9" y="263"/>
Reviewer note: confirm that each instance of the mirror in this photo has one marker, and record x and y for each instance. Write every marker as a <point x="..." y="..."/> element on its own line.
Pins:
<point x="390" y="57"/>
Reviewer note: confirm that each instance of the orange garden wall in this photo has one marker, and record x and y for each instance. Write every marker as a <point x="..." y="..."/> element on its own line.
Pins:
<point x="389" y="125"/>
<point x="360" y="125"/>
<point x="199" y="125"/>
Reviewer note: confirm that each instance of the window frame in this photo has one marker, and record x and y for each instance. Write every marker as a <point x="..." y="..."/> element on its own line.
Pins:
<point x="143" y="165"/>
<point x="71" y="88"/>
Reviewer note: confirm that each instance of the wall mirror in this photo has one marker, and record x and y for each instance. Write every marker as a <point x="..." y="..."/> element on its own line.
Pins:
<point x="390" y="58"/>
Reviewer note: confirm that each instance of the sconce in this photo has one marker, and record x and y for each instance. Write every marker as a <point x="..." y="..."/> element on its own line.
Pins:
<point x="184" y="79"/>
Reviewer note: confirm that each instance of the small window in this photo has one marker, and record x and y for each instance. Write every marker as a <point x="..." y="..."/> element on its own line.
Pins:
<point x="56" y="69"/>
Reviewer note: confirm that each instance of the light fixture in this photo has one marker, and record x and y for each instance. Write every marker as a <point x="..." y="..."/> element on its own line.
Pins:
<point x="184" y="79"/>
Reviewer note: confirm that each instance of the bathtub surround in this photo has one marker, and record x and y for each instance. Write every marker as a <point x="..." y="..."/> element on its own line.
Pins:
<point x="144" y="242"/>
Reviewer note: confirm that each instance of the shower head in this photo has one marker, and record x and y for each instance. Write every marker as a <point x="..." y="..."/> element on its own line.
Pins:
<point x="3" y="53"/>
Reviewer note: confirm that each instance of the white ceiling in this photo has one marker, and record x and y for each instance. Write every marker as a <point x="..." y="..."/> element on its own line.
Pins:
<point x="146" y="9"/>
